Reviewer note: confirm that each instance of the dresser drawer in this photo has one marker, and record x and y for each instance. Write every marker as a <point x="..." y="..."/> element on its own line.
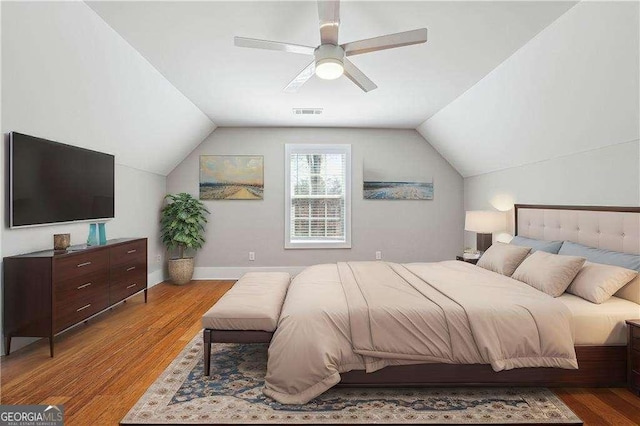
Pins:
<point x="127" y="285"/>
<point x="129" y="268"/>
<point x="635" y="361"/>
<point x="81" y="287"/>
<point x="635" y="331"/>
<point x="81" y="264"/>
<point x="72" y="311"/>
<point x="634" y="381"/>
<point x="635" y="343"/>
<point x="128" y="252"/>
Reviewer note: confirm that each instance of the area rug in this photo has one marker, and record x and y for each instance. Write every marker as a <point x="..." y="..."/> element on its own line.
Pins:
<point x="233" y="394"/>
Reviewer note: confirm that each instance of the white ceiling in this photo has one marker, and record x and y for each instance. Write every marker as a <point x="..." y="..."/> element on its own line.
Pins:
<point x="191" y="44"/>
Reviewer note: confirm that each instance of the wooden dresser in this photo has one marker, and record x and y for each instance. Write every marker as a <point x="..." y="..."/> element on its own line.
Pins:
<point x="633" y="357"/>
<point x="47" y="292"/>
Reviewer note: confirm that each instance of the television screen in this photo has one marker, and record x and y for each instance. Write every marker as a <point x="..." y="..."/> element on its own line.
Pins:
<point x="51" y="182"/>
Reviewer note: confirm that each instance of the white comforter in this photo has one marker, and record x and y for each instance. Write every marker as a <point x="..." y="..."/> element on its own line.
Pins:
<point x="367" y="315"/>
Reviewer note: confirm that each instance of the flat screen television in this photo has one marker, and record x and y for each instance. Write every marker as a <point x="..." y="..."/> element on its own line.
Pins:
<point x="51" y="182"/>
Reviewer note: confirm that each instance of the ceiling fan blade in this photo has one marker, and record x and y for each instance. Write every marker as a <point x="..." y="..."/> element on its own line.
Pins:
<point x="389" y="41"/>
<point x="301" y="78"/>
<point x="329" y="13"/>
<point x="358" y="77"/>
<point x="273" y="45"/>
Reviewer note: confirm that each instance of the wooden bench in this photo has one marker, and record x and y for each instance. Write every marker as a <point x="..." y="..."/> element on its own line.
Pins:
<point x="247" y="313"/>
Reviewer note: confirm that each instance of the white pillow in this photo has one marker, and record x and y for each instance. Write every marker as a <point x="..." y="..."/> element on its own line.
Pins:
<point x="550" y="273"/>
<point x="597" y="282"/>
<point x="503" y="258"/>
<point x="631" y="291"/>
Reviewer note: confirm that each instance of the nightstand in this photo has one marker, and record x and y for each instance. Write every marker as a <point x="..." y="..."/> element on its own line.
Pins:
<point x="633" y="355"/>
<point x="472" y="261"/>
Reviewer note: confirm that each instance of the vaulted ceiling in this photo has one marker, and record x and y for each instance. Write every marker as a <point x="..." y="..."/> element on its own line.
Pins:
<point x="68" y="77"/>
<point x="191" y="44"/>
<point x="498" y="84"/>
<point x="574" y="88"/>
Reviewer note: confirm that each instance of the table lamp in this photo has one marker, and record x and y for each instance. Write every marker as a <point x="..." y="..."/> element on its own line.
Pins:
<point x="484" y="223"/>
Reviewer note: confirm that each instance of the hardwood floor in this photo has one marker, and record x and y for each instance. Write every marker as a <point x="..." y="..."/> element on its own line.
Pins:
<point x="101" y="369"/>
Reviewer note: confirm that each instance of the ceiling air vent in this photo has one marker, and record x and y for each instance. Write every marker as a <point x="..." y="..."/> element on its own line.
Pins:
<point x="307" y="111"/>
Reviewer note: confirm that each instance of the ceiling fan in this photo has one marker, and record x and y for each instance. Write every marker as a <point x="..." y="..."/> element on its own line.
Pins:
<point x="330" y="58"/>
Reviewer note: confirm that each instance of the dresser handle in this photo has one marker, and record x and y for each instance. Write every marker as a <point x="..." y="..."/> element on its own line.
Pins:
<point x="132" y="285"/>
<point x="131" y="268"/>
<point x="83" y="308"/>
<point x="132" y="251"/>
<point x="84" y="285"/>
<point x="80" y="265"/>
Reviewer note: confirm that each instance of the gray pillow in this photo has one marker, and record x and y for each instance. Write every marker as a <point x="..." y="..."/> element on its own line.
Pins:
<point x="595" y="255"/>
<point x="549" y="246"/>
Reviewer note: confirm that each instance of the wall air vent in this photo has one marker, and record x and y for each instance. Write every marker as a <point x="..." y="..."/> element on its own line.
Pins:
<point x="307" y="111"/>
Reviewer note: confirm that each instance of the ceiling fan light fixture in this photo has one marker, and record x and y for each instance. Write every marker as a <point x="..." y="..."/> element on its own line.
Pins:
<point x="330" y="57"/>
<point x="329" y="68"/>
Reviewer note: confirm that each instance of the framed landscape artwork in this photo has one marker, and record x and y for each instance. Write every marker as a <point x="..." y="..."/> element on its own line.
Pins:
<point x="231" y="177"/>
<point x="375" y="190"/>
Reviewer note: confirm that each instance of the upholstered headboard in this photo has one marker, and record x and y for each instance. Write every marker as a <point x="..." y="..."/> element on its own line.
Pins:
<point x="610" y="228"/>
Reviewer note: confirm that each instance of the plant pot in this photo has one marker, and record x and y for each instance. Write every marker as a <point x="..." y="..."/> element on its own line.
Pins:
<point x="181" y="270"/>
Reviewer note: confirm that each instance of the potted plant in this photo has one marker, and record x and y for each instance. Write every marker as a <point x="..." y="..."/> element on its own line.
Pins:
<point x="182" y="227"/>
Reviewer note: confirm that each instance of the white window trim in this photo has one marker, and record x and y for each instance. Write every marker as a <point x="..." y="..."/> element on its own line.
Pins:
<point x="314" y="149"/>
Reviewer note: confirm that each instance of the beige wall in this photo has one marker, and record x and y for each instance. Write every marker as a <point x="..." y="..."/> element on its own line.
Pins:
<point x="557" y="122"/>
<point x="605" y="176"/>
<point x="404" y="231"/>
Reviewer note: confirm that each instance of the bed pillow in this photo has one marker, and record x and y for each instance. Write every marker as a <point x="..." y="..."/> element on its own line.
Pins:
<point x="607" y="257"/>
<point x="548" y="246"/>
<point x="503" y="258"/>
<point x="596" y="282"/>
<point x="630" y="291"/>
<point x="549" y="273"/>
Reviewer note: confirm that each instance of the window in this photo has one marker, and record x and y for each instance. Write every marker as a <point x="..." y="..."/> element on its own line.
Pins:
<point x="318" y="196"/>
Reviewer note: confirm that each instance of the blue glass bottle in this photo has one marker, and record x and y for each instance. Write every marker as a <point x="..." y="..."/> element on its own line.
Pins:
<point x="102" y="233"/>
<point x="92" y="239"/>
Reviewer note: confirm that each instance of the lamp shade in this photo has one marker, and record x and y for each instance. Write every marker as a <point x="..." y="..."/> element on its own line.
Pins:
<point x="485" y="221"/>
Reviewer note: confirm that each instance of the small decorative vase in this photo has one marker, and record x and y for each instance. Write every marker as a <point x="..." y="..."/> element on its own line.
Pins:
<point x="92" y="239"/>
<point x="102" y="233"/>
<point x="61" y="241"/>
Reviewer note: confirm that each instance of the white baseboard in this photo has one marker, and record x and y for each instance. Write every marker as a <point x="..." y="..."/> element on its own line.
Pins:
<point x="156" y="277"/>
<point x="235" y="272"/>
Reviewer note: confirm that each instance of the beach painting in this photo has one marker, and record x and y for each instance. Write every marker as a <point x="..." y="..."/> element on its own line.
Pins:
<point x="231" y="177"/>
<point x="376" y="190"/>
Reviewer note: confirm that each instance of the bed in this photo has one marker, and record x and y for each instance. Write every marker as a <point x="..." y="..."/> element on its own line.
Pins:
<point x="411" y="324"/>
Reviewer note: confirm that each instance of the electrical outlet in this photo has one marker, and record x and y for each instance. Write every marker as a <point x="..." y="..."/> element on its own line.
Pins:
<point x="252" y="255"/>
<point x="378" y="255"/>
<point x="159" y="258"/>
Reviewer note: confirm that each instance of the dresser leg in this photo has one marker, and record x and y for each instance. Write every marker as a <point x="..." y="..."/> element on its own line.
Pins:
<point x="145" y="295"/>
<point x="7" y="345"/>
<point x="51" y="345"/>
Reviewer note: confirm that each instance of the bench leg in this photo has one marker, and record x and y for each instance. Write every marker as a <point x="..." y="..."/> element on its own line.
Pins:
<point x="206" y="334"/>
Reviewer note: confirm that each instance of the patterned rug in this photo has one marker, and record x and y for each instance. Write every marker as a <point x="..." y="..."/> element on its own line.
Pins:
<point x="233" y="394"/>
